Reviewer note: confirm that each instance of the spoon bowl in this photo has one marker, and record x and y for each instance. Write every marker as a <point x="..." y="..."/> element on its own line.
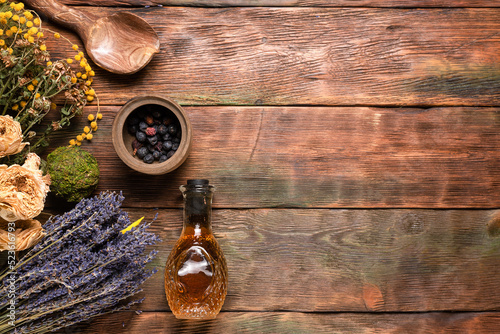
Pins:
<point x="121" y="43"/>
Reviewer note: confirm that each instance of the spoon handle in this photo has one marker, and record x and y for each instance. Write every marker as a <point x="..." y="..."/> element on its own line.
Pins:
<point x="64" y="15"/>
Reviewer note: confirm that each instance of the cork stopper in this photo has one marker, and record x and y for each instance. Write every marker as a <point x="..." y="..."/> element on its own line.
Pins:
<point x="198" y="182"/>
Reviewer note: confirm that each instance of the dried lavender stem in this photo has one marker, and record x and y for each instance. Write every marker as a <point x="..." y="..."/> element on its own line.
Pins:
<point x="42" y="250"/>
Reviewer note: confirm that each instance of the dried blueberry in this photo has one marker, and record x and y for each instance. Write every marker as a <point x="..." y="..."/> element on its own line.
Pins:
<point x="142" y="152"/>
<point x="148" y="158"/>
<point x="162" y="129"/>
<point x="172" y="129"/>
<point x="158" y="134"/>
<point x="141" y="136"/>
<point x="143" y="126"/>
<point x="151" y="148"/>
<point x="153" y="140"/>
<point x="167" y="145"/>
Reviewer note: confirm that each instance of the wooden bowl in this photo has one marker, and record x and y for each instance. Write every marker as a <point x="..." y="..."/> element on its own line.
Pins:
<point x="122" y="139"/>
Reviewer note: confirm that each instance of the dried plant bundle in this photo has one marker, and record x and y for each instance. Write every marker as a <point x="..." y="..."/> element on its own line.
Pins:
<point x="87" y="263"/>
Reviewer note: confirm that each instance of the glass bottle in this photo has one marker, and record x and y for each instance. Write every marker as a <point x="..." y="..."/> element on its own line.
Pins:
<point x="196" y="270"/>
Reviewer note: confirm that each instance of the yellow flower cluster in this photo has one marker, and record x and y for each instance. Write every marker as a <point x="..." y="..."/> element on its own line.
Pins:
<point x="87" y="130"/>
<point x="86" y="73"/>
<point x="30" y="88"/>
<point x="87" y="133"/>
<point x="24" y="23"/>
<point x="18" y="21"/>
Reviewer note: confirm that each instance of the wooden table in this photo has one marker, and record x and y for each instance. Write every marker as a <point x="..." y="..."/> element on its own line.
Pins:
<point x="355" y="150"/>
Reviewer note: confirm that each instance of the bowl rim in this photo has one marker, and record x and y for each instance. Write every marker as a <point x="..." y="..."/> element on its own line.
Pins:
<point x="155" y="168"/>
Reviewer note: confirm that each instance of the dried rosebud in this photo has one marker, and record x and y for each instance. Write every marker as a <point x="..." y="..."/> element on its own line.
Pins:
<point x="150" y="131"/>
<point x="22" y="189"/>
<point x="26" y="234"/>
<point x="11" y="136"/>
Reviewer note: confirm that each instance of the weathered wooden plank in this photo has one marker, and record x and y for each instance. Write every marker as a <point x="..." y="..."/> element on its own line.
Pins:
<point x="323" y="157"/>
<point x="292" y="322"/>
<point x="291" y="3"/>
<point x="345" y="56"/>
<point x="346" y="260"/>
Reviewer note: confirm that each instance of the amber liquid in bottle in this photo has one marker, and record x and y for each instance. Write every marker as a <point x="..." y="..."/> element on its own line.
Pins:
<point x="196" y="270"/>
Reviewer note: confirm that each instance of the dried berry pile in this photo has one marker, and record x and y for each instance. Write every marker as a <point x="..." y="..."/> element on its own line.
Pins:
<point x="157" y="133"/>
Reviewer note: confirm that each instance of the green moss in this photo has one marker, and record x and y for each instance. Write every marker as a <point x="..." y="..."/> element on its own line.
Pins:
<point x="74" y="173"/>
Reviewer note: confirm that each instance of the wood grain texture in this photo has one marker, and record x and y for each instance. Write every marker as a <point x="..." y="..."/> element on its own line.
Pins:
<point x="327" y="210"/>
<point x="291" y="3"/>
<point x="316" y="56"/>
<point x="346" y="260"/>
<point x="253" y="322"/>
<point x="322" y="157"/>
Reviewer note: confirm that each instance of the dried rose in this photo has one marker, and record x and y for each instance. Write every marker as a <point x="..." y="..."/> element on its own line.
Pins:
<point x="22" y="190"/>
<point x="27" y="233"/>
<point x="11" y="136"/>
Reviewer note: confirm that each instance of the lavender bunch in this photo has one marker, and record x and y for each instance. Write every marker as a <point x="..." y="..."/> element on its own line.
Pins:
<point x="84" y="267"/>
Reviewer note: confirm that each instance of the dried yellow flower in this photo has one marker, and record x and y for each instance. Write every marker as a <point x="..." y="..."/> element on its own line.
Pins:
<point x="26" y="233"/>
<point x="22" y="190"/>
<point x="11" y="136"/>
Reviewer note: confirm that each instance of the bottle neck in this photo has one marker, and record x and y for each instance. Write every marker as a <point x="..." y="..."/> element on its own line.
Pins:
<point x="197" y="210"/>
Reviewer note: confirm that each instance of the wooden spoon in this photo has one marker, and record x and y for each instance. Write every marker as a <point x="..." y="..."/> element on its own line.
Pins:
<point x="121" y="43"/>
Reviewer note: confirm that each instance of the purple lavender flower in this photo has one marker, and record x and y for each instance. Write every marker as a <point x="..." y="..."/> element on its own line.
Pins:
<point x="82" y="268"/>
